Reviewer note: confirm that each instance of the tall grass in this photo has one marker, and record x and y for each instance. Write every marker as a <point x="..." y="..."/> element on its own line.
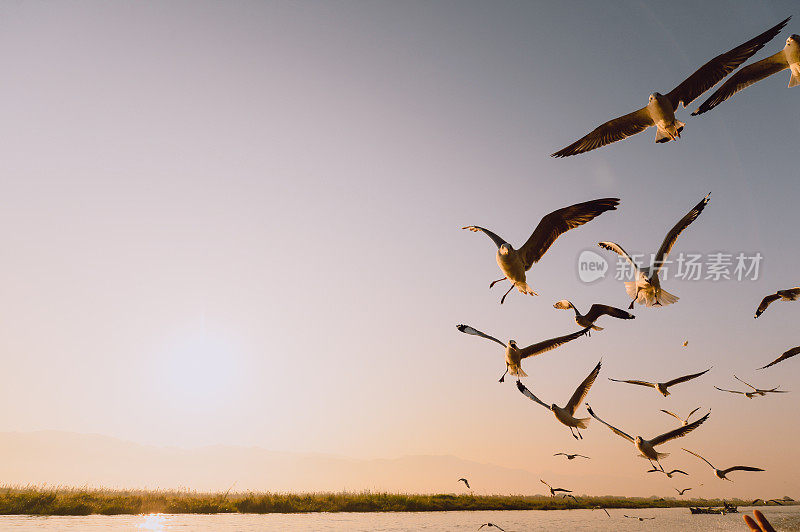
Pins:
<point x="77" y="501"/>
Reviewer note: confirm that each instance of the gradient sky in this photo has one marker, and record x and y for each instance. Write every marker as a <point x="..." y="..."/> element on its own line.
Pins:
<point x="239" y="223"/>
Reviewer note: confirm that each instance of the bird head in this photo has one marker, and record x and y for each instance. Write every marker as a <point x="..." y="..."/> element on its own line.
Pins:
<point x="505" y="249"/>
<point x="655" y="96"/>
<point x="553" y="407"/>
<point x="638" y="440"/>
<point x="793" y="40"/>
<point x="512" y="343"/>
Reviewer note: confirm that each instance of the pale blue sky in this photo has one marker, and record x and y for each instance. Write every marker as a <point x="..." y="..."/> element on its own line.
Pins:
<point x="239" y="223"/>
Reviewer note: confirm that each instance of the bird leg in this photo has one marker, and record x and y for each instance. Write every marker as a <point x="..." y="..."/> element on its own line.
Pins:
<point x="579" y="432"/>
<point x="497" y="281"/>
<point x="504" y="296"/>
<point x="573" y="433"/>
<point x="503" y="378"/>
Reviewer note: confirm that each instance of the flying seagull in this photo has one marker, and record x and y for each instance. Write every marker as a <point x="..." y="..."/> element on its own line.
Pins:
<point x="647" y="447"/>
<point x="749" y="395"/>
<point x="789" y="58"/>
<point x="668" y="473"/>
<point x="566" y="415"/>
<point x="646" y="289"/>
<point x="792" y="294"/>
<point x="601" y="508"/>
<point x="660" y="109"/>
<point x="683" y="421"/>
<point x="515" y="262"/>
<point x="553" y="490"/>
<point x="574" y="498"/>
<point x="759" y="390"/>
<point x="788" y="354"/>
<point x="569" y="456"/>
<point x="722" y="472"/>
<point x="662" y="386"/>
<point x="466" y="482"/>
<point x="639" y="518"/>
<point x="514" y="354"/>
<point x="595" y="311"/>
<point x="490" y="525"/>
<point x="681" y="492"/>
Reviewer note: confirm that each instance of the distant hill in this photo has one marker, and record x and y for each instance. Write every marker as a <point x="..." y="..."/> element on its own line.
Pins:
<point x="71" y="459"/>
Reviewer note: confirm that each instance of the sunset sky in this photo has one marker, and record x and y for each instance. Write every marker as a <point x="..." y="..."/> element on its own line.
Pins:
<point x="239" y="223"/>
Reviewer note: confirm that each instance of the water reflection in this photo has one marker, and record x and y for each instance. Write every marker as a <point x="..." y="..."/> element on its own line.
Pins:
<point x="153" y="523"/>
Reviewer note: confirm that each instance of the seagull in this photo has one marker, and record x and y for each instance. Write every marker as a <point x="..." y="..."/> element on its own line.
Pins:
<point x="566" y="415"/>
<point x="668" y="473"/>
<point x="759" y="390"/>
<point x="647" y="447"/>
<point x="570" y="456"/>
<point x="681" y="492"/>
<point x="789" y="58"/>
<point x="515" y="262"/>
<point x="639" y="518"/>
<point x="660" y="108"/>
<point x="574" y="498"/>
<point x="662" y="386"/>
<point x="514" y="354"/>
<point x="646" y="289"/>
<point x="749" y="395"/>
<point x="601" y="508"/>
<point x="466" y="482"/>
<point x="490" y="525"/>
<point x="792" y="294"/>
<point x="788" y="354"/>
<point x="684" y="422"/>
<point x="554" y="490"/>
<point x="595" y="311"/>
<point x="722" y="472"/>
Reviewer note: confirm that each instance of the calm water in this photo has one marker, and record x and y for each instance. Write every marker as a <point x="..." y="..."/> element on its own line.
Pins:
<point x="555" y="520"/>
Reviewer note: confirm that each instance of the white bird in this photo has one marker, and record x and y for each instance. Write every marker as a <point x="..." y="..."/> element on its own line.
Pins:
<point x="647" y="447"/>
<point x="789" y="58"/>
<point x="660" y="109"/>
<point x="595" y="311"/>
<point x="683" y="421"/>
<point x="569" y="456"/>
<point x="792" y="294"/>
<point x="566" y="415"/>
<point x="662" y="386"/>
<point x="514" y="263"/>
<point x="749" y="395"/>
<point x="515" y="355"/>
<point x="759" y="390"/>
<point x="722" y="472"/>
<point x="646" y="289"/>
<point x="788" y="354"/>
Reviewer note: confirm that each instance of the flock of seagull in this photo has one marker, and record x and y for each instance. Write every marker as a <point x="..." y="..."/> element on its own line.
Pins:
<point x="645" y="289"/>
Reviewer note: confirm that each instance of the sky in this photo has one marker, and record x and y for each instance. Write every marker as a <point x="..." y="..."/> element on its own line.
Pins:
<point x="239" y="223"/>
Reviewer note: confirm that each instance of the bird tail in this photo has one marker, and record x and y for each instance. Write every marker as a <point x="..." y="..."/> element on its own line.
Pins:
<point x="517" y="372"/>
<point x="596" y="328"/>
<point x="794" y="79"/>
<point x="665" y="298"/>
<point x="630" y="288"/>
<point x="671" y="133"/>
<point x="583" y="422"/>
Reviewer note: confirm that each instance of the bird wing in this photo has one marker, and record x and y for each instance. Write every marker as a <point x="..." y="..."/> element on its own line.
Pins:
<point x="685" y="378"/>
<point x="680" y="432"/>
<point x="731" y="391"/>
<point x="580" y="393"/>
<point x="750" y="385"/>
<point x="612" y="131"/>
<point x="499" y="241"/>
<point x="583" y="456"/>
<point x="598" y="310"/>
<point x="692" y="412"/>
<point x="547" y="345"/>
<point x="471" y="330"/>
<point x="678" y="471"/>
<point x="564" y="304"/>
<point x="640" y="383"/>
<point x="615" y="430"/>
<point x="527" y="393"/>
<point x="740" y="468"/>
<point x="672" y="236"/>
<point x="673" y="415"/>
<point x="562" y="489"/>
<point x="616" y="248"/>
<point x="788" y="354"/>
<point x="792" y="294"/>
<point x="712" y="72"/>
<point x="700" y="457"/>
<point x="767" y="301"/>
<point x="545" y="483"/>
<point x="559" y="222"/>
<point x="774" y="390"/>
<point x="743" y="79"/>
<point x="558" y="454"/>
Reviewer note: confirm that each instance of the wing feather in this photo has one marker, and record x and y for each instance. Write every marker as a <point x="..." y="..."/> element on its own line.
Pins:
<point x="766" y="302"/>
<point x="582" y="390"/>
<point x="615" y="430"/>
<point x="700" y="457"/>
<point x="527" y="393"/>
<point x="499" y="241"/>
<point x="685" y="378"/>
<point x="547" y="345"/>
<point x="471" y="330"/>
<point x="740" y="468"/>
<point x="630" y="381"/>
<point x="612" y="131"/>
<point x="616" y="248"/>
<point x="672" y="236"/>
<point x="598" y="310"/>
<point x="680" y="432"/>
<point x="788" y="354"/>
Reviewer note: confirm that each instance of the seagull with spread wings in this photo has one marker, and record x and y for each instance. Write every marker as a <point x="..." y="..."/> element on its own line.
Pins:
<point x="465" y="481"/>
<point x="681" y="492"/>
<point x="646" y="289"/>
<point x="662" y="386"/>
<point x="792" y="294"/>
<point x="490" y="525"/>
<point x="660" y="108"/>
<point x="684" y="421"/>
<point x="515" y="262"/>
<point x="647" y="447"/>
<point x="761" y="391"/>
<point x="722" y="472"/>
<point x="553" y="490"/>
<point x="639" y="518"/>
<point x="668" y="473"/>
<point x="749" y="395"/>
<point x="595" y="311"/>
<point x="788" y="354"/>
<point x="566" y="415"/>
<point x="515" y="355"/>
<point x="788" y="57"/>
<point x="569" y="456"/>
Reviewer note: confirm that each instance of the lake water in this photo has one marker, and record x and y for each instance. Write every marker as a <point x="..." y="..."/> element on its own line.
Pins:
<point x="783" y="518"/>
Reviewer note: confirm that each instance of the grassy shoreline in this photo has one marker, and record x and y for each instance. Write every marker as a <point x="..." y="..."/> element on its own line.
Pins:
<point x="69" y="501"/>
